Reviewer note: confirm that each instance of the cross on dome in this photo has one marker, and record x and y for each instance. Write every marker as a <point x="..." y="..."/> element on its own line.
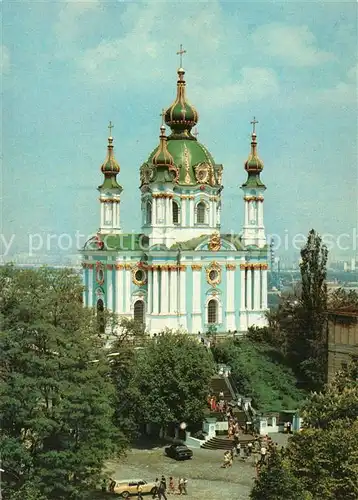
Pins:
<point x="253" y="123"/>
<point x="162" y="114"/>
<point x="195" y="133"/>
<point x="180" y="53"/>
<point x="110" y="126"/>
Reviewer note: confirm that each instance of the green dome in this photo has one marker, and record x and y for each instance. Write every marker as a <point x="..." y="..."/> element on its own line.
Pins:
<point x="162" y="155"/>
<point x="189" y="157"/>
<point x="181" y="116"/>
<point x="253" y="164"/>
<point x="110" y="165"/>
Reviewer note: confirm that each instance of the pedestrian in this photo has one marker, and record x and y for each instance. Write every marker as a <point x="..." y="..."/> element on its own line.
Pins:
<point x="156" y="488"/>
<point x="181" y="486"/>
<point x="171" y="485"/>
<point x="263" y="452"/>
<point x="249" y="448"/>
<point x="104" y="486"/>
<point x="112" y="484"/>
<point x="139" y="492"/>
<point x="238" y="449"/>
<point x="162" y="489"/>
<point x="185" y="483"/>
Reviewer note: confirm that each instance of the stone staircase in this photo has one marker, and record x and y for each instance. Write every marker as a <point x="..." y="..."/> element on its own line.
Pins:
<point x="218" y="384"/>
<point x="224" y="443"/>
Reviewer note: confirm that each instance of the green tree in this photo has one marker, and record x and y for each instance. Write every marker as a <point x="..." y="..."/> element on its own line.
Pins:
<point x="342" y="298"/>
<point x="276" y="480"/>
<point x="55" y="392"/>
<point x="171" y="380"/>
<point x="310" y="344"/>
<point x="259" y="371"/>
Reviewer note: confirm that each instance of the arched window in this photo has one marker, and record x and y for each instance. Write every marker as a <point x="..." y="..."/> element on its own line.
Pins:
<point x="212" y="312"/>
<point x="175" y="213"/>
<point x="100" y="316"/>
<point x="138" y="315"/>
<point x="200" y="213"/>
<point x="148" y="213"/>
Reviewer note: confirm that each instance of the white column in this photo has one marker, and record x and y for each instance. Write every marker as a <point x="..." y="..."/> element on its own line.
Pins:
<point x="127" y="291"/>
<point x="260" y="213"/>
<point x="154" y="211"/>
<point x="249" y="289"/>
<point x="257" y="289"/>
<point x="196" y="291"/>
<point x="264" y="288"/>
<point x="149" y="290"/>
<point x="109" y="290"/>
<point x="164" y="293"/>
<point x="173" y="291"/>
<point x="119" y="291"/>
<point x="182" y="276"/>
<point x="247" y="213"/>
<point x="102" y="214"/>
<point x="155" y="291"/>
<point x="242" y="289"/>
<point x="90" y="288"/>
<point x="183" y="221"/>
<point x="230" y="299"/>
<point x="230" y="290"/>
<point x="215" y="208"/>
<point x="191" y="213"/>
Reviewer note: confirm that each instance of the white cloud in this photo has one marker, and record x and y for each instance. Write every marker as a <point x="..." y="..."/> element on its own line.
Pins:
<point x="254" y="84"/>
<point x="5" y="60"/>
<point x="68" y="25"/>
<point x="292" y="45"/>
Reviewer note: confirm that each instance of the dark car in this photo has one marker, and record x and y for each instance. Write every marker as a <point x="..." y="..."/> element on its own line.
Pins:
<point x="178" y="452"/>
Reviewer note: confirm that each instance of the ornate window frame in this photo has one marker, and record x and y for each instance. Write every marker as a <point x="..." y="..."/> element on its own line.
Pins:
<point x="219" y="310"/>
<point x="213" y="267"/>
<point x="206" y="213"/>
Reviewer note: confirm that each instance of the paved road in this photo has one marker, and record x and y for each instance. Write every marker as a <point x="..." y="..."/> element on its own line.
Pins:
<point x="206" y="480"/>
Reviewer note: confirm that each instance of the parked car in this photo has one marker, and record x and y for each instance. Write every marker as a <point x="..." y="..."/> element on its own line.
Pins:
<point x="128" y="488"/>
<point x="178" y="452"/>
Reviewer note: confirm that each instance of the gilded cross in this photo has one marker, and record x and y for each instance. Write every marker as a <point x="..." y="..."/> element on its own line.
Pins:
<point x="110" y="126"/>
<point x="162" y="114"/>
<point x="195" y="133"/>
<point x="180" y="53"/>
<point x="253" y="123"/>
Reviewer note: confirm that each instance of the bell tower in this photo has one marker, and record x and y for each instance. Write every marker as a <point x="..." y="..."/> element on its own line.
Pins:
<point x="253" y="189"/>
<point x="109" y="192"/>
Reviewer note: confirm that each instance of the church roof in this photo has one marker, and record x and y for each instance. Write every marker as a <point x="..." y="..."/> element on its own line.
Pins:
<point x="126" y="242"/>
<point x="193" y="243"/>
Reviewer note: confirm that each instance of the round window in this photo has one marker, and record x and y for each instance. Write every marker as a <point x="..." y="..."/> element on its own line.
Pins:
<point x="213" y="275"/>
<point x="139" y="275"/>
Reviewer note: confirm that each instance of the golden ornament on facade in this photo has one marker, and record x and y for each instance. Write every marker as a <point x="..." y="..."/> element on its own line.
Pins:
<point x="119" y="267"/>
<point x="109" y="267"/>
<point x="202" y="173"/>
<point x="162" y="195"/>
<point x="139" y="276"/>
<point x="213" y="273"/>
<point x="215" y="242"/>
<point x="196" y="267"/>
<point x="128" y="267"/>
<point x="187" y="197"/>
<point x="230" y="267"/>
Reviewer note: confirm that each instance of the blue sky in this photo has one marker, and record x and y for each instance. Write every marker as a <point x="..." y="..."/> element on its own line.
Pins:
<point x="70" y="67"/>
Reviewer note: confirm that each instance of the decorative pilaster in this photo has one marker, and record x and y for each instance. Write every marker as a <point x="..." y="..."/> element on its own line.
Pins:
<point x="127" y="289"/>
<point x="242" y="287"/>
<point x="182" y="298"/>
<point x="109" y="288"/>
<point x="191" y="212"/>
<point x="230" y="296"/>
<point x="164" y="296"/>
<point x="173" y="291"/>
<point x="264" y="287"/>
<point x="155" y="291"/>
<point x="150" y="291"/>
<point x="249" y="289"/>
<point x="119" y="289"/>
<point x="257" y="289"/>
<point x="90" y="286"/>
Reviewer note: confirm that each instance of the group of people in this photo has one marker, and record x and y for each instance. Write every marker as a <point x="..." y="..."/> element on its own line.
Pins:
<point x="161" y="489"/>
<point x="217" y="405"/>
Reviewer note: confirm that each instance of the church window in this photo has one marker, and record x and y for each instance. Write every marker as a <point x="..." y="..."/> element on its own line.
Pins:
<point x="200" y="213"/>
<point x="139" y="312"/>
<point x="213" y="275"/>
<point x="100" y="316"/>
<point x="175" y="213"/>
<point x="140" y="275"/>
<point x="212" y="312"/>
<point x="148" y="213"/>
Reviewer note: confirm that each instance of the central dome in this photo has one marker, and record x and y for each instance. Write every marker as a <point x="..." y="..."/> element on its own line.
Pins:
<point x="181" y="116"/>
<point x="187" y="154"/>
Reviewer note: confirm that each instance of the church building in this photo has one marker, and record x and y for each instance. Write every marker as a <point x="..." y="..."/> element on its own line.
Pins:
<point x="180" y="271"/>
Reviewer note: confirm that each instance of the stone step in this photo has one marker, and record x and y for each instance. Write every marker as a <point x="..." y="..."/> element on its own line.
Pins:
<point x="225" y="443"/>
